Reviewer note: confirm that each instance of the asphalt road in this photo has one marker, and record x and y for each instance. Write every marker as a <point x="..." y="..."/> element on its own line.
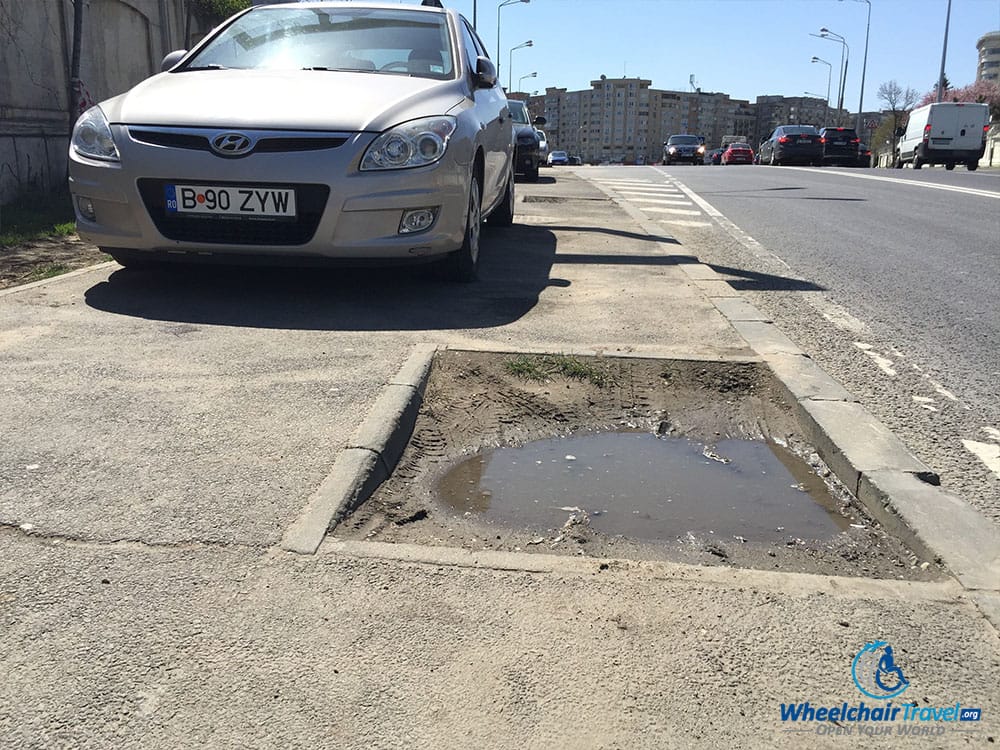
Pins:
<point x="897" y="281"/>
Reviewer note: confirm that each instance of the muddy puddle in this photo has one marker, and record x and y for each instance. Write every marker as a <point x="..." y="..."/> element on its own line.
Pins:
<point x="688" y="461"/>
<point x="648" y="487"/>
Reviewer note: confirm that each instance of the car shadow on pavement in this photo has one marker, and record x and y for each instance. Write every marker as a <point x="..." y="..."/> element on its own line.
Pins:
<point x="514" y="269"/>
<point x="617" y="233"/>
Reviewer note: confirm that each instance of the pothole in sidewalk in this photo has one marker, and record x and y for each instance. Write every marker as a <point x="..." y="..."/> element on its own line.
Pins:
<point x="648" y="487"/>
<point x="699" y="462"/>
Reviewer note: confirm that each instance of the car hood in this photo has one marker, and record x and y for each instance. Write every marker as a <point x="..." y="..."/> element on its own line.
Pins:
<point x="305" y="100"/>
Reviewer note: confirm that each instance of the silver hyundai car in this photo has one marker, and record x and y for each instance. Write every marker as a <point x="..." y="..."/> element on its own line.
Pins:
<point x="304" y="131"/>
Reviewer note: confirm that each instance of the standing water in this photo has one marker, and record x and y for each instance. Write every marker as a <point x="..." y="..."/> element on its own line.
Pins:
<point x="646" y="487"/>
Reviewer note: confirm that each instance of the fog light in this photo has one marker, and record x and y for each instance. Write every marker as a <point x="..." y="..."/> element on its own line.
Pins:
<point x="417" y="220"/>
<point x="86" y="207"/>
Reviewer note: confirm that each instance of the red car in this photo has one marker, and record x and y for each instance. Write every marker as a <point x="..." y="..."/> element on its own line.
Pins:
<point x="737" y="153"/>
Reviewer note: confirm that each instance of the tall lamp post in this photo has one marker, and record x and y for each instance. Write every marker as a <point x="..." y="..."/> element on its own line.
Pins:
<point x="529" y="75"/>
<point x="829" y="75"/>
<point x="845" y="59"/>
<point x="944" y="54"/>
<point x="510" y="66"/>
<point x="501" y="5"/>
<point x="864" y="64"/>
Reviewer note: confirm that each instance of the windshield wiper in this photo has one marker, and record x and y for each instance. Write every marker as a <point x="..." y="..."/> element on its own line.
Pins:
<point x="210" y="66"/>
<point x="340" y="70"/>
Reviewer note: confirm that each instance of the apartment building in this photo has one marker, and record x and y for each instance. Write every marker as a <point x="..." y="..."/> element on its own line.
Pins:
<point x="988" y="68"/>
<point x="626" y="120"/>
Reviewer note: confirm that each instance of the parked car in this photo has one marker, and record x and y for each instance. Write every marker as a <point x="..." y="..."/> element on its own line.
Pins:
<point x="792" y="144"/>
<point x="840" y="146"/>
<point x="946" y="133"/>
<point x="737" y="153"/>
<point x="326" y="131"/>
<point x="558" y="158"/>
<point x="864" y="156"/>
<point x="527" y="156"/>
<point x="576" y="161"/>
<point x="713" y="157"/>
<point x="683" y="148"/>
<point x="543" y="147"/>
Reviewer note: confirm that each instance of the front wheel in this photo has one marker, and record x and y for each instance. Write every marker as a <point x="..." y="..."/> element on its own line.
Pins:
<point x="774" y="162"/>
<point x="972" y="166"/>
<point x="949" y="167"/>
<point x="463" y="264"/>
<point x="532" y="174"/>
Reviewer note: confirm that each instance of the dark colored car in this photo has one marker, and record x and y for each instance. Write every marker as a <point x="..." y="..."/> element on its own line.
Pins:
<point x="792" y="144"/>
<point x="864" y="156"/>
<point x="683" y="148"/>
<point x="527" y="156"/>
<point x="737" y="153"/>
<point x="840" y="146"/>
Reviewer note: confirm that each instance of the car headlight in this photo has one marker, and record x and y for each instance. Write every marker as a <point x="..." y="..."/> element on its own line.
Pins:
<point x="672" y="150"/>
<point x="92" y="136"/>
<point x="701" y="149"/>
<point x="412" y="144"/>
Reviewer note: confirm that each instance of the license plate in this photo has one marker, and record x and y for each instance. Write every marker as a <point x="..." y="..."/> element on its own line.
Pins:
<point x="230" y="201"/>
<point x="805" y="139"/>
<point x="840" y="143"/>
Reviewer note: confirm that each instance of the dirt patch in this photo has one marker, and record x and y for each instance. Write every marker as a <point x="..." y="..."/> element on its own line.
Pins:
<point x="481" y="401"/>
<point x="39" y="259"/>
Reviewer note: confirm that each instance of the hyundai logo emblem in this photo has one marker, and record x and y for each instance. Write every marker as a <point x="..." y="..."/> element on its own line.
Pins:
<point x="231" y="144"/>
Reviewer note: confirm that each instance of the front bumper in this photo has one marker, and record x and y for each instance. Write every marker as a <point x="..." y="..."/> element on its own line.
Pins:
<point x="342" y="212"/>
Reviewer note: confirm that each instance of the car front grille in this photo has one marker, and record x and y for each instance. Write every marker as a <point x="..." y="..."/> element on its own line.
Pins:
<point x="310" y="202"/>
<point x="272" y="144"/>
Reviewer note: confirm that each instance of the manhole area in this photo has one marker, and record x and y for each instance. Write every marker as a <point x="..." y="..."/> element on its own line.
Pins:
<point x="647" y="487"/>
<point x="698" y="462"/>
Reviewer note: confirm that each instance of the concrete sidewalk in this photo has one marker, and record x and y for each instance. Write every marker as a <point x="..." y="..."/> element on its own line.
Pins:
<point x="163" y="431"/>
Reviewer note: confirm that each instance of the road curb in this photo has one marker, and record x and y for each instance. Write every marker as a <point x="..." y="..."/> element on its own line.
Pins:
<point x="369" y="456"/>
<point x="60" y="277"/>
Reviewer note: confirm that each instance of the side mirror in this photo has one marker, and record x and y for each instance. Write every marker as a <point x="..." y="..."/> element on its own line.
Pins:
<point x="486" y="73"/>
<point x="172" y="59"/>
<point x="539" y="121"/>
<point x="900" y="132"/>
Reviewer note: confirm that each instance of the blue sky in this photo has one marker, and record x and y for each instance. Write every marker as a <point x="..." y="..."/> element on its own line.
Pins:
<point x="744" y="48"/>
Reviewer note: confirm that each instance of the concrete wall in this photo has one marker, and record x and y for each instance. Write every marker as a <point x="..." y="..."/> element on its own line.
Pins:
<point x="123" y="42"/>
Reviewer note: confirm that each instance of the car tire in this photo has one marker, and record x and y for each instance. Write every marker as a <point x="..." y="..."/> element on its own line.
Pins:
<point x="503" y="214"/>
<point x="949" y="167"/>
<point x="463" y="264"/>
<point x="898" y="164"/>
<point x="972" y="166"/>
<point x="532" y="174"/>
<point x="774" y="161"/>
<point x="917" y="161"/>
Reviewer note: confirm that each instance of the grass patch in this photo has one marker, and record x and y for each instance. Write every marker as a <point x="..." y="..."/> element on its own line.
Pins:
<point x="46" y="272"/>
<point x="35" y="216"/>
<point x="542" y="368"/>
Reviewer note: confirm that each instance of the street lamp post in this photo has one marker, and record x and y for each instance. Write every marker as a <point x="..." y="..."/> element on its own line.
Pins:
<point x="944" y="54"/>
<point x="529" y="75"/>
<point x="845" y="59"/>
<point x="510" y="67"/>
<point x="501" y="5"/>
<point x="864" y="64"/>
<point x="829" y="75"/>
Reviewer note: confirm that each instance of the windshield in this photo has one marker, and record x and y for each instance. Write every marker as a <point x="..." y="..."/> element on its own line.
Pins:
<point x="796" y="129"/>
<point x="519" y="113"/>
<point x="390" y="41"/>
<point x="684" y="140"/>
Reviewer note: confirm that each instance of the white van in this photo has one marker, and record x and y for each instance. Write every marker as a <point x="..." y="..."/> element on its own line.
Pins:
<point x="946" y="133"/>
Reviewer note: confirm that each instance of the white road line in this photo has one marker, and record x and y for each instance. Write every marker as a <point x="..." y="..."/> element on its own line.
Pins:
<point x="897" y="181"/>
<point x="993" y="432"/>
<point x="676" y="211"/>
<point x="988" y="453"/>
<point x="685" y="223"/>
<point x="665" y="190"/>
<point x="662" y="201"/>
<point x="884" y="363"/>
